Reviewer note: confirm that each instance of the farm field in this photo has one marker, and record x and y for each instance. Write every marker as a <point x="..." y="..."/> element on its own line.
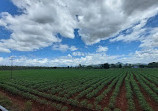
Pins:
<point x="83" y="89"/>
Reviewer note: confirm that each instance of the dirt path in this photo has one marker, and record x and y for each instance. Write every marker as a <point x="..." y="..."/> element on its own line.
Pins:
<point x="121" y="101"/>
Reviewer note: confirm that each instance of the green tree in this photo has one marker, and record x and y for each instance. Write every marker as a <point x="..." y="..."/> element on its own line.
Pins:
<point x="105" y="66"/>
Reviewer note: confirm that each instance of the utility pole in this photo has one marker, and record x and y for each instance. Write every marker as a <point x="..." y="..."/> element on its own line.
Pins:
<point x="11" y="70"/>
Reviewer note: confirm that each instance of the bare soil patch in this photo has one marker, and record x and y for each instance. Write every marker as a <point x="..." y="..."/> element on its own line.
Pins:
<point x="121" y="101"/>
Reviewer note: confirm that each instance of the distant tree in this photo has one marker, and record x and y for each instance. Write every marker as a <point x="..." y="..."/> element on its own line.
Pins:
<point x="113" y="66"/>
<point x="89" y="67"/>
<point x="142" y="66"/>
<point x="79" y="65"/>
<point x="105" y="66"/>
<point x="120" y="66"/>
<point x="153" y="65"/>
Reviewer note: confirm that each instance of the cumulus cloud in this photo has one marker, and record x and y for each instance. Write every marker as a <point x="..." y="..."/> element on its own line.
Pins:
<point x="141" y="56"/>
<point x="3" y="49"/>
<point x="151" y="41"/>
<point x="147" y="36"/>
<point x="73" y="48"/>
<point x="78" y="54"/>
<point x="40" y="21"/>
<point x="38" y="24"/>
<point x="63" y="47"/>
<point x="132" y="34"/>
<point x="102" y="49"/>
<point x="26" y="34"/>
<point x="91" y="58"/>
<point x="104" y="19"/>
<point x="132" y="6"/>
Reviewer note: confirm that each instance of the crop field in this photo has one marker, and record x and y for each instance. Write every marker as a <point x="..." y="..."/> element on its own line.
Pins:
<point x="83" y="89"/>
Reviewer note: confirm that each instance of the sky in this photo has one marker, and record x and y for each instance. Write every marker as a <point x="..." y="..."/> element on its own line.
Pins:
<point x="73" y="32"/>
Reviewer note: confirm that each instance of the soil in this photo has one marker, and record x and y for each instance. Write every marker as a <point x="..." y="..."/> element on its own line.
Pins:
<point x="105" y="101"/>
<point x="121" y="101"/>
<point x="136" y="103"/>
<point x="150" y="81"/>
<point x="151" y="102"/>
<point x="20" y="103"/>
<point x="92" y="100"/>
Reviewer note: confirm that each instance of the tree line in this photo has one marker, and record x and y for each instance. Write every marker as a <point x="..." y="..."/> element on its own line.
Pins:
<point x="99" y="66"/>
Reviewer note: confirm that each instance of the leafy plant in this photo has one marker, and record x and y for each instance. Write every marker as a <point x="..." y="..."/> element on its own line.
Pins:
<point x="28" y="106"/>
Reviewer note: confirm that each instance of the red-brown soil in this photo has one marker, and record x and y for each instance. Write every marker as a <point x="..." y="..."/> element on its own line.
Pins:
<point x="121" y="101"/>
<point x="136" y="103"/>
<point x="92" y="100"/>
<point x="105" y="101"/>
<point x="20" y="102"/>
<point x="150" y="81"/>
<point x="151" y="102"/>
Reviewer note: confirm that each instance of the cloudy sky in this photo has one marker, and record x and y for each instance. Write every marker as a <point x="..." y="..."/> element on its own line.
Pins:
<point x="72" y="32"/>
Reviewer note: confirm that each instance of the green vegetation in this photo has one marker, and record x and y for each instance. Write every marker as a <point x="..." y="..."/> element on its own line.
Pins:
<point x="129" y="94"/>
<point x="4" y="101"/>
<point x="85" y="89"/>
<point x="28" y="106"/>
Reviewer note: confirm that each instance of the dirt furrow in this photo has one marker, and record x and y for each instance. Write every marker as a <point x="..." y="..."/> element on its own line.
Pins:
<point x="121" y="101"/>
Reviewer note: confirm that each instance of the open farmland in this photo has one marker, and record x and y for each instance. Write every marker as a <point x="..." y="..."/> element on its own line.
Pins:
<point x="83" y="89"/>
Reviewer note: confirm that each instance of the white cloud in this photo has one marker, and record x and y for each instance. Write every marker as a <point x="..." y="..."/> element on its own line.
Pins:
<point x="135" y="35"/>
<point x="40" y="20"/>
<point x="63" y="47"/>
<point x="147" y="36"/>
<point x="102" y="49"/>
<point x="73" y="48"/>
<point x="148" y="45"/>
<point x="37" y="26"/>
<point x="91" y="58"/>
<point x="151" y="41"/>
<point x="1" y="58"/>
<point x="78" y="54"/>
<point x="107" y="19"/>
<point x="142" y="56"/>
<point x="3" y="49"/>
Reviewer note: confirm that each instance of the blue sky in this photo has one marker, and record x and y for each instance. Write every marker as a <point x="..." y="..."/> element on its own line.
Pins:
<point x="48" y="33"/>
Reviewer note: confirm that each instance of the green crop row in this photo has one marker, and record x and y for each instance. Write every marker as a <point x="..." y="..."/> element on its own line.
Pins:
<point x="129" y="94"/>
<point x="116" y="92"/>
<point x="106" y="91"/>
<point x="99" y="87"/>
<point x="143" y="83"/>
<point x="143" y="103"/>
